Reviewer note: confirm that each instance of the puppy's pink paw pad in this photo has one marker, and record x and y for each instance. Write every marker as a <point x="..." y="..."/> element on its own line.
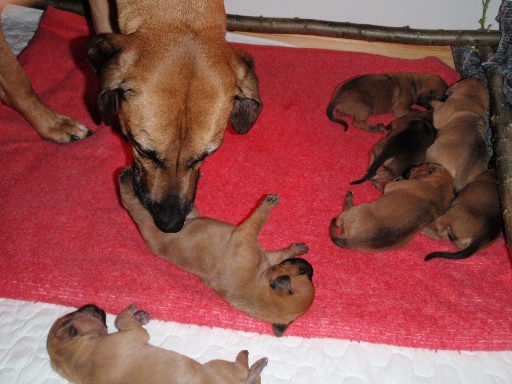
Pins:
<point x="142" y="317"/>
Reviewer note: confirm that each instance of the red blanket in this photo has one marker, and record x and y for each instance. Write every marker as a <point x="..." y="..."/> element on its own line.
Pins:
<point x="66" y="239"/>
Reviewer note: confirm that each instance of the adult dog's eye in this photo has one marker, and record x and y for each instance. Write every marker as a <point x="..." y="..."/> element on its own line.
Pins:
<point x="147" y="153"/>
<point x="195" y="161"/>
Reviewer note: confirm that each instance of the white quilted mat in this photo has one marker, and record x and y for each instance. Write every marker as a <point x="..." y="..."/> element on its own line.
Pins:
<point x="25" y="325"/>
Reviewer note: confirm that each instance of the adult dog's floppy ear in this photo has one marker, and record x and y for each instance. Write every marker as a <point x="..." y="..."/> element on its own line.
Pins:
<point x="103" y="48"/>
<point x="247" y="104"/>
<point x="104" y="55"/>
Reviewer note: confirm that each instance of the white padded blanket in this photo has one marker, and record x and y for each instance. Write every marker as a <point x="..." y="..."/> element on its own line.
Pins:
<point x="23" y="358"/>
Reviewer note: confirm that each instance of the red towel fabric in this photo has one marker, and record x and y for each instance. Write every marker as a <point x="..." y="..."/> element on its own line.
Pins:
<point x="66" y="239"/>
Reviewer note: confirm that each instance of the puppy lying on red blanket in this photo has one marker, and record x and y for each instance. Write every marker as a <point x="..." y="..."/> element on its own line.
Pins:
<point x="270" y="286"/>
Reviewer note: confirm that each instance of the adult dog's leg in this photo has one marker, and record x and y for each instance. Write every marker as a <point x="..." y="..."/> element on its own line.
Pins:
<point x="16" y="92"/>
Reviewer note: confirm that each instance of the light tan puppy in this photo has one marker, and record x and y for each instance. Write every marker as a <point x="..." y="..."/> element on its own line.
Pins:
<point x="473" y="220"/>
<point x="270" y="286"/>
<point x="82" y="351"/>
<point x="403" y="210"/>
<point x="174" y="83"/>
<point x="394" y="93"/>
<point x="461" y="122"/>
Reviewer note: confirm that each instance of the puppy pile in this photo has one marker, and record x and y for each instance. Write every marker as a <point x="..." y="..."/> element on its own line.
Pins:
<point x="432" y="166"/>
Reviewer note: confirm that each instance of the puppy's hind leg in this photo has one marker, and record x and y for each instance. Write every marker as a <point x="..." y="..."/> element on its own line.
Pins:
<point x="296" y="249"/>
<point x="252" y="226"/>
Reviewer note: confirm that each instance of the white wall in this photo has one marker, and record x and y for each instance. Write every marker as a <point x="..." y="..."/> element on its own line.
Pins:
<point x="427" y="14"/>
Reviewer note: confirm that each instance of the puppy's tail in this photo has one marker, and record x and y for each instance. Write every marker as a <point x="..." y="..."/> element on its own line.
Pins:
<point x="471" y="249"/>
<point x="330" y="115"/>
<point x="374" y="167"/>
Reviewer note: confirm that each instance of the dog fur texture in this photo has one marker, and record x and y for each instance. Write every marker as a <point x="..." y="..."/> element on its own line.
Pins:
<point x="461" y="121"/>
<point x="174" y="83"/>
<point x="473" y="220"/>
<point x="82" y="351"/>
<point x="271" y="286"/>
<point x="391" y="220"/>
<point x="394" y="93"/>
<point x="403" y="147"/>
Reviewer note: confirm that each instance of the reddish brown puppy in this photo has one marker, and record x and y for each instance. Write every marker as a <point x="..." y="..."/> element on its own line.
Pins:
<point x="271" y="286"/>
<point x="394" y="93"/>
<point x="390" y="221"/>
<point x="404" y="146"/>
<point x="461" y="121"/>
<point x="473" y="220"/>
<point x="83" y="352"/>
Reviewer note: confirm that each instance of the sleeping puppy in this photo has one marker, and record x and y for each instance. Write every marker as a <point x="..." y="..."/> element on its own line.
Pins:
<point x="404" y="146"/>
<point x="391" y="221"/>
<point x="473" y="220"/>
<point x="461" y="121"/>
<point x="270" y="286"/>
<point x="394" y="93"/>
<point x="82" y="351"/>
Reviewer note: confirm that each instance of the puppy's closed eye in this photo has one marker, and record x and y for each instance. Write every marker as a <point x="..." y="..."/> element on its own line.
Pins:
<point x="73" y="332"/>
<point x="282" y="285"/>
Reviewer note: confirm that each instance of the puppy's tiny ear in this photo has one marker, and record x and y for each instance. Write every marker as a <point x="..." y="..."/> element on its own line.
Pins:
<point x="247" y="104"/>
<point x="102" y="48"/>
<point x="279" y="329"/>
<point x="282" y="285"/>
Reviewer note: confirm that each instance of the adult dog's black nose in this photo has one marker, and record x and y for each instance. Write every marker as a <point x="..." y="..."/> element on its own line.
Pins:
<point x="169" y="216"/>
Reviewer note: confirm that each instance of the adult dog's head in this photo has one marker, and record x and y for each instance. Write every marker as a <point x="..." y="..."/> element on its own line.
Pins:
<point x="174" y="91"/>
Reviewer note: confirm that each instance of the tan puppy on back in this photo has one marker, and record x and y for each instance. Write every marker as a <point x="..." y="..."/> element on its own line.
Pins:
<point x="394" y="93"/>
<point x="174" y="83"/>
<point x="473" y="220"/>
<point x="461" y="122"/>
<point x="82" y="351"/>
<point x="270" y="286"/>
<point x="404" y="209"/>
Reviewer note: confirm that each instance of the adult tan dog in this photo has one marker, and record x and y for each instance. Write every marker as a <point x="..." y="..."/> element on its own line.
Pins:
<point x="403" y="147"/>
<point x="390" y="221"/>
<point x="461" y="122"/>
<point x="473" y="220"/>
<point x="174" y="83"/>
<point x="368" y="95"/>
<point x="271" y="286"/>
<point x="82" y="351"/>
